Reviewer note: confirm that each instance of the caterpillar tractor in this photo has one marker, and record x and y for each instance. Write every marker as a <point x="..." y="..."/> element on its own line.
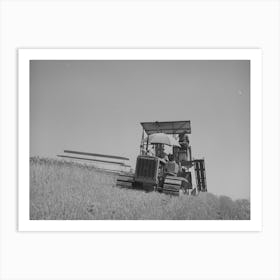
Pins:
<point x="171" y="173"/>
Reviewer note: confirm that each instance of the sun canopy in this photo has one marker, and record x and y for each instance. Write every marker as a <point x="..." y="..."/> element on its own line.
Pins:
<point x="162" y="138"/>
<point x="176" y="127"/>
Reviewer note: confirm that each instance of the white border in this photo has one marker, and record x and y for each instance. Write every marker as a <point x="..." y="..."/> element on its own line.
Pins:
<point x="254" y="55"/>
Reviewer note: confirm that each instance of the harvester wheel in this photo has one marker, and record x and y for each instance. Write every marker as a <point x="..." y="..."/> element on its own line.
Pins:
<point x="125" y="181"/>
<point x="172" y="185"/>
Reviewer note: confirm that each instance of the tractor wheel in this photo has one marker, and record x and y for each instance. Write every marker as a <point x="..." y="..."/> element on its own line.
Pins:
<point x="125" y="181"/>
<point x="159" y="188"/>
<point x="172" y="185"/>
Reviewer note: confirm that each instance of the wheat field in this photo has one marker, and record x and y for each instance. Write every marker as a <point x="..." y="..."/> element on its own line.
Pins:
<point x="63" y="190"/>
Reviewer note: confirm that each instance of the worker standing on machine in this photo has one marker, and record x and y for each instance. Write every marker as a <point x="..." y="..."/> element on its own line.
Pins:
<point x="184" y="140"/>
<point x="184" y="143"/>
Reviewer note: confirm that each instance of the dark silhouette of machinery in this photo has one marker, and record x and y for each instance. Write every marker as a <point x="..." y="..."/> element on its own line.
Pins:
<point x="167" y="173"/>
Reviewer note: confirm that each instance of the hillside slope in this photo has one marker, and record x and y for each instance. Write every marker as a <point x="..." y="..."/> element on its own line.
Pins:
<point x="61" y="190"/>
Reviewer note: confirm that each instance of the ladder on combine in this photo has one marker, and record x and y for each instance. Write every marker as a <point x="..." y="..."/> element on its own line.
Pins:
<point x="199" y="167"/>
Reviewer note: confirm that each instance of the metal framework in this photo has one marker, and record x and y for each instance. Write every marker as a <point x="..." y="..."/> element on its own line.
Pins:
<point x="200" y="174"/>
<point x="95" y="155"/>
<point x="175" y="127"/>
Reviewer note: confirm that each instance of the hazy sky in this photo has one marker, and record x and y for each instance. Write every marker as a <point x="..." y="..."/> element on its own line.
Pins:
<point x="97" y="106"/>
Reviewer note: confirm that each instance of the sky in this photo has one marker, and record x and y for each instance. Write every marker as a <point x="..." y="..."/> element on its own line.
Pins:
<point x="97" y="106"/>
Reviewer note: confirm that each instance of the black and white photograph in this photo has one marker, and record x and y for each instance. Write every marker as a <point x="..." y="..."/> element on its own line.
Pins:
<point x="139" y="140"/>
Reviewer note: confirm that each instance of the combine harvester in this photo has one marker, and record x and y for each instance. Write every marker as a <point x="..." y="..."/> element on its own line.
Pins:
<point x="154" y="172"/>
